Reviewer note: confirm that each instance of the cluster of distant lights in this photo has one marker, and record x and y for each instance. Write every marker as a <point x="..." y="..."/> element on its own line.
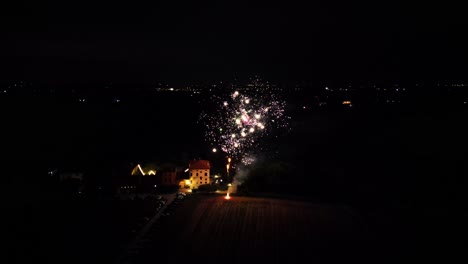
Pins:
<point x="240" y="122"/>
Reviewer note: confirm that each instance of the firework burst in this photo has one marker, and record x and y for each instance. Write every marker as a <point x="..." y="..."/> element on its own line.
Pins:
<point x="242" y="121"/>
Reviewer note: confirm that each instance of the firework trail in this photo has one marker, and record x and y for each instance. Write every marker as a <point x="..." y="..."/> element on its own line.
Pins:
<point x="242" y="120"/>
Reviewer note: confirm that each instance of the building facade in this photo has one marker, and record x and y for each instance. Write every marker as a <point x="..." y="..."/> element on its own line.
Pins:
<point x="199" y="171"/>
<point x="169" y="178"/>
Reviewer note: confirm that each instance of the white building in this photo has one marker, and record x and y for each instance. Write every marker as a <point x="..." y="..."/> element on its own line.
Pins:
<point x="199" y="171"/>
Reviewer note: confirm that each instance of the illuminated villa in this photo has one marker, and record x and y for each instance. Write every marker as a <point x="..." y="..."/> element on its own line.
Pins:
<point x="199" y="172"/>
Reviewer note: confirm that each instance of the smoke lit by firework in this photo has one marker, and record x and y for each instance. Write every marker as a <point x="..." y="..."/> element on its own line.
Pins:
<point x="241" y="121"/>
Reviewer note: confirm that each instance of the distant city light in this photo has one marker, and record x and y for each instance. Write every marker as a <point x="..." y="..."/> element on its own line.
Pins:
<point x="214" y="150"/>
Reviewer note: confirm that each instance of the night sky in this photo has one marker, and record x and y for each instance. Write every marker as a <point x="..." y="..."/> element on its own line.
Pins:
<point x="394" y="160"/>
<point x="85" y="42"/>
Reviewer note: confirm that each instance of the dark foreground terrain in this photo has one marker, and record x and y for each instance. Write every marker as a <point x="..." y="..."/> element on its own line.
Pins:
<point x="211" y="229"/>
<point x="401" y="168"/>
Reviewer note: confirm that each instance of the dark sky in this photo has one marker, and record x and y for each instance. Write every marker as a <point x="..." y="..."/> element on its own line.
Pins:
<point x="80" y="41"/>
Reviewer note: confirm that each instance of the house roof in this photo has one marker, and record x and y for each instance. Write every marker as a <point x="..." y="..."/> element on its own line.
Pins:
<point x="199" y="164"/>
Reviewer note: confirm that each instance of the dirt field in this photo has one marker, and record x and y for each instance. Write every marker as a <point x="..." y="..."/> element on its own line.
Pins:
<point x="209" y="229"/>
